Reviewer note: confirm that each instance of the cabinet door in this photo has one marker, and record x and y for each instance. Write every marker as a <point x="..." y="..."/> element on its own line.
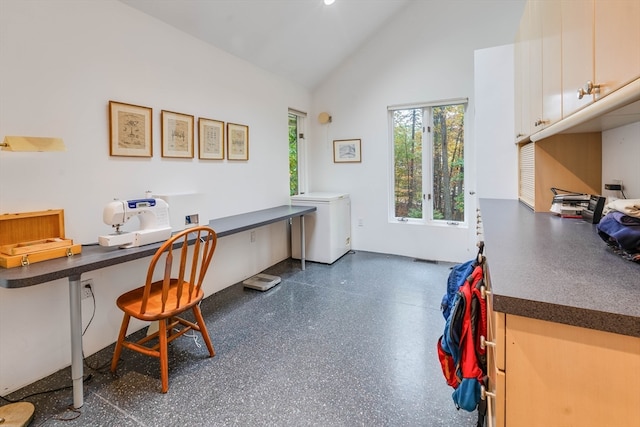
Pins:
<point x="617" y="43"/>
<point x="561" y="375"/>
<point x="521" y="77"/>
<point x="549" y="12"/>
<point x="536" y="119"/>
<point x="495" y="359"/>
<point x="577" y="53"/>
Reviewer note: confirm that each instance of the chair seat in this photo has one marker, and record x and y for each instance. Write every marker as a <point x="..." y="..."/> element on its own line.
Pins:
<point x="131" y="301"/>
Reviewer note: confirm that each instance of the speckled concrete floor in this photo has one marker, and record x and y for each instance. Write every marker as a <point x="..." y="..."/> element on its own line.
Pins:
<point x="350" y="344"/>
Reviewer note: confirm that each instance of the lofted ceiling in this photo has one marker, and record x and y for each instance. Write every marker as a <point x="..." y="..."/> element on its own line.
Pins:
<point x="300" y="40"/>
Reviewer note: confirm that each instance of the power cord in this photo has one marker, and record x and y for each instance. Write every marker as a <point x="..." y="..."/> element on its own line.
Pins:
<point x="85" y="380"/>
<point x="93" y="314"/>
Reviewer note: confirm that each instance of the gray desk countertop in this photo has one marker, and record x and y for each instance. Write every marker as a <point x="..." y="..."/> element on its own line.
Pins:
<point x="558" y="269"/>
<point x="94" y="257"/>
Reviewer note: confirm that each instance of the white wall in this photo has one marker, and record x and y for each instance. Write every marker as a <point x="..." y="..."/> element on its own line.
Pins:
<point x="426" y="53"/>
<point x="494" y="124"/>
<point x="621" y="160"/>
<point x="62" y="61"/>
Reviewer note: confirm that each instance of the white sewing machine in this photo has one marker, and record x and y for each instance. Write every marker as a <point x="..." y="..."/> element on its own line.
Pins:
<point x="154" y="222"/>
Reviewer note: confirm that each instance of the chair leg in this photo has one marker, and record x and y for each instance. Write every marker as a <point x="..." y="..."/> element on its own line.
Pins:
<point x="164" y="357"/>
<point x="203" y="330"/>
<point x="121" y="337"/>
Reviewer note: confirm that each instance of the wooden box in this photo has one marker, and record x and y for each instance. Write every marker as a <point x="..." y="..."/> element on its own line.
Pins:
<point x="30" y="237"/>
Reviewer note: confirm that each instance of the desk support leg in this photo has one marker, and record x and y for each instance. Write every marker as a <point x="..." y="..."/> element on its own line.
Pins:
<point x="302" y="241"/>
<point x="75" y="297"/>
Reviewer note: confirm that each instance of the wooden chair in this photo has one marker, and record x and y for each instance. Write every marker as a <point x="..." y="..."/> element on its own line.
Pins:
<point x="165" y="299"/>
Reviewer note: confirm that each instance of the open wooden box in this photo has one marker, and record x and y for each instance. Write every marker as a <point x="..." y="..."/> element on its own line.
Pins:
<point x="30" y="237"/>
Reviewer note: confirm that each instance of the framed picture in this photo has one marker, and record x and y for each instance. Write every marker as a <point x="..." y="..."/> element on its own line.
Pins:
<point x="210" y="139"/>
<point x="130" y="130"/>
<point x="237" y="142"/>
<point x="177" y="134"/>
<point x="346" y="151"/>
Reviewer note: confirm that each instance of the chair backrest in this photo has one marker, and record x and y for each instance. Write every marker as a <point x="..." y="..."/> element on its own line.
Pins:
<point x="184" y="287"/>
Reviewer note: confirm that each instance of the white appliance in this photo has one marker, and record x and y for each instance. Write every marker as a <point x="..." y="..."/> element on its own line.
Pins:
<point x="185" y="209"/>
<point x="327" y="231"/>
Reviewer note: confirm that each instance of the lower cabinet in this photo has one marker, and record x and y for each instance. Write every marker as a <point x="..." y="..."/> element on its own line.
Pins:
<point x="560" y="375"/>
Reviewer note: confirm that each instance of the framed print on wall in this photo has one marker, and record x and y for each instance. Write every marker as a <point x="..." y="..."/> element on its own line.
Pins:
<point x="237" y="142"/>
<point x="346" y="151"/>
<point x="177" y="134"/>
<point x="210" y="139"/>
<point x="130" y="130"/>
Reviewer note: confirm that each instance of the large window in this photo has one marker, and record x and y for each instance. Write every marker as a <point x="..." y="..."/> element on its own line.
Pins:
<point x="428" y="162"/>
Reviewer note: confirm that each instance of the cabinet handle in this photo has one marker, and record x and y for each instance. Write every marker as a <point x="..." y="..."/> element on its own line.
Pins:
<point x="588" y="89"/>
<point x="484" y="291"/>
<point x="484" y="343"/>
<point x="540" y="122"/>
<point x="488" y="396"/>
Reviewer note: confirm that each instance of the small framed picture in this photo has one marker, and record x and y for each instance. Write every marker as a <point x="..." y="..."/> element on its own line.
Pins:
<point x="177" y="134"/>
<point x="210" y="139"/>
<point x="237" y="142"/>
<point x="346" y="151"/>
<point x="130" y="130"/>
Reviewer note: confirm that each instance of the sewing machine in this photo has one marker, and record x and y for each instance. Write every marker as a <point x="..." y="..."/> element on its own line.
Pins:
<point x="153" y="215"/>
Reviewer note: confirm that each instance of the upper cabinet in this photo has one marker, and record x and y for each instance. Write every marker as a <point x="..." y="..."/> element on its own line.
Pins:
<point x="577" y="55"/>
<point x="549" y="12"/>
<point x="522" y="78"/>
<point x="617" y="43"/>
<point x="570" y="54"/>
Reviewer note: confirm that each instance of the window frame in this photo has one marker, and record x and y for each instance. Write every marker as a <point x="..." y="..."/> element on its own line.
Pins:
<point x="427" y="162"/>
<point x="301" y="149"/>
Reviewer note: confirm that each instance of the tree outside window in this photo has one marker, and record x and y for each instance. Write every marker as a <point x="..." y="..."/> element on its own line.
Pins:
<point x="293" y="154"/>
<point x="429" y="139"/>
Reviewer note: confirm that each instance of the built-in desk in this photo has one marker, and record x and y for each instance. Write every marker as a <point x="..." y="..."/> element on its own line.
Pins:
<point x="96" y="257"/>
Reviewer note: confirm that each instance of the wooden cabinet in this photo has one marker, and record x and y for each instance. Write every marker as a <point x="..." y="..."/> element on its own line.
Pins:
<point x="549" y="374"/>
<point x="522" y="79"/>
<point x="495" y="362"/>
<point x="600" y="44"/>
<point x="577" y="53"/>
<point x="545" y="64"/>
<point x="580" y="366"/>
<point x="564" y="46"/>
<point x="561" y="375"/>
<point x="551" y="53"/>
<point x="617" y="43"/>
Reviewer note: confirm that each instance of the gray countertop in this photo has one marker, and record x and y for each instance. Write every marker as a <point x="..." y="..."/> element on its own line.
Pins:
<point x="558" y="269"/>
<point x="94" y="257"/>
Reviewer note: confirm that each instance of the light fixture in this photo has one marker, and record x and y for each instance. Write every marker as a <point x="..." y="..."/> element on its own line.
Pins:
<point x="324" y="118"/>
<point x="328" y="2"/>
<point x="32" y="143"/>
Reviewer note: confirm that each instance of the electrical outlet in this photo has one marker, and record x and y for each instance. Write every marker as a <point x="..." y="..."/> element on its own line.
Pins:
<point x="87" y="288"/>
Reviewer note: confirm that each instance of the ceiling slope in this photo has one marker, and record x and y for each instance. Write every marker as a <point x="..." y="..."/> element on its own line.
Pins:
<point x="300" y="40"/>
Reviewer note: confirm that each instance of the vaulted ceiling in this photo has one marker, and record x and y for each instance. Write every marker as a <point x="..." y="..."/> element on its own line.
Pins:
<point x="299" y="40"/>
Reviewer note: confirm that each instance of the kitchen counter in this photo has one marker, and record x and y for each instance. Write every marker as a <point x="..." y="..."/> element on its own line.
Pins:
<point x="558" y="269"/>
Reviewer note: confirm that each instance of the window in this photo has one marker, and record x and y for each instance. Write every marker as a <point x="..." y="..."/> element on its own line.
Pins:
<point x="428" y="162"/>
<point x="297" y="170"/>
